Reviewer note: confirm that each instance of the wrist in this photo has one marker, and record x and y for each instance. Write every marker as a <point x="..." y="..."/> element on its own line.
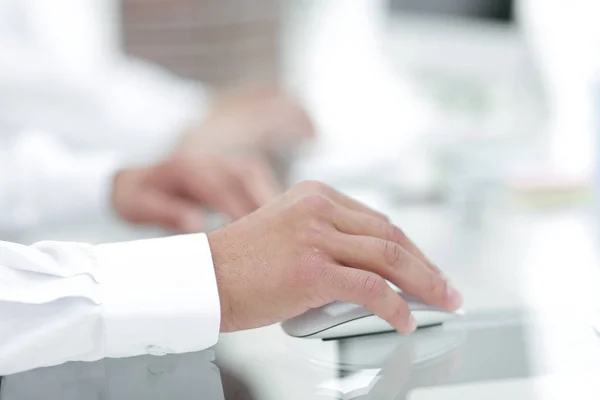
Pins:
<point x="117" y="186"/>
<point x="219" y="259"/>
<point x="122" y="199"/>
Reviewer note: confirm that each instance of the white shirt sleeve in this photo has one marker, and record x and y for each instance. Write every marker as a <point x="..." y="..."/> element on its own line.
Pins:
<point x="64" y="302"/>
<point x="42" y="182"/>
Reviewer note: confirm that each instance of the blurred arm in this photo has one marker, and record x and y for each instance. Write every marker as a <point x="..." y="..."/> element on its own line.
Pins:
<point x="64" y="302"/>
<point x="42" y="182"/>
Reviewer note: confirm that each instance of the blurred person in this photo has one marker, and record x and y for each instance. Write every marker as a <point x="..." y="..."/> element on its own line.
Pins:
<point x="312" y="245"/>
<point x="94" y="111"/>
<point x="41" y="183"/>
<point x="63" y="71"/>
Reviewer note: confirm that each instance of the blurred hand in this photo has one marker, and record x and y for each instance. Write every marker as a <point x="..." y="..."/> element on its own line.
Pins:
<point x="312" y="246"/>
<point x="258" y="117"/>
<point x="171" y="193"/>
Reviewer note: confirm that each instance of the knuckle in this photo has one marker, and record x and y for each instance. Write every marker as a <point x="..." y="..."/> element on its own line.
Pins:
<point x="320" y="292"/>
<point x="315" y="227"/>
<point x="393" y="254"/>
<point x="312" y="265"/>
<point x="312" y="232"/>
<point x="315" y="204"/>
<point x="373" y="286"/>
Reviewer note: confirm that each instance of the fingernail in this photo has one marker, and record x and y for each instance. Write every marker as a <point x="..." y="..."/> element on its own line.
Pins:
<point x="412" y="324"/>
<point x="454" y="297"/>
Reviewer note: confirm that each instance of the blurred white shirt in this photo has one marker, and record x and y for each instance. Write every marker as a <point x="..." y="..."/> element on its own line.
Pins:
<point x="42" y="182"/>
<point x="71" y="103"/>
<point x="62" y="70"/>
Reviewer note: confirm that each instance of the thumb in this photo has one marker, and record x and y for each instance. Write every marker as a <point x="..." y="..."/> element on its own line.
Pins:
<point x="173" y="213"/>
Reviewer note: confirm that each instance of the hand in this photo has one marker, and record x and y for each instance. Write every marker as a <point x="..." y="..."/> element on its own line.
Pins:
<point x="312" y="246"/>
<point x="171" y="193"/>
<point x="257" y="117"/>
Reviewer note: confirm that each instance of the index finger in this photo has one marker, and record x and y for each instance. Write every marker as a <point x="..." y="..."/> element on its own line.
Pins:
<point x="258" y="181"/>
<point x="221" y="190"/>
<point x="370" y="291"/>
<point x="395" y="264"/>
<point x="356" y="223"/>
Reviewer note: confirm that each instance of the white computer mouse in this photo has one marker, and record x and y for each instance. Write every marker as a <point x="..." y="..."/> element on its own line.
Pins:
<point x="340" y="319"/>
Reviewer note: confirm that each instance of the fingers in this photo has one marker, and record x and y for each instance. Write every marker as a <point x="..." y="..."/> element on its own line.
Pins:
<point x="370" y="291"/>
<point x="232" y="186"/>
<point x="357" y="223"/>
<point x="258" y="181"/>
<point x="406" y="243"/>
<point x="170" y="212"/>
<point x="393" y="262"/>
<point x="366" y="240"/>
<point x="247" y="185"/>
<point x="221" y="190"/>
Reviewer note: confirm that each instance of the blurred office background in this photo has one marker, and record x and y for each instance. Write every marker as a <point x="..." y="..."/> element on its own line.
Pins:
<point x="459" y="102"/>
<point x="471" y="122"/>
<point x="463" y="102"/>
<point x="455" y="100"/>
<point x="218" y="42"/>
<point x="435" y="92"/>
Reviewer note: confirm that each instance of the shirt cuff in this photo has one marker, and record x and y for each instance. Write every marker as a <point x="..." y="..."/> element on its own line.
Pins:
<point x="159" y="296"/>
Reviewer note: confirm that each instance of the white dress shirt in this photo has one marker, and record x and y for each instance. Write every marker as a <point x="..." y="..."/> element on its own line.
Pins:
<point x="62" y="302"/>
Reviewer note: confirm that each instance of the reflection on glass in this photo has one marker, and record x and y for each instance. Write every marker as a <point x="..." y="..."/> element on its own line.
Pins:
<point x="177" y="376"/>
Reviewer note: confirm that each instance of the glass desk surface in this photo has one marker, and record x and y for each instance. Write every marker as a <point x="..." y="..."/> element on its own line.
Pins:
<point x="507" y="354"/>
